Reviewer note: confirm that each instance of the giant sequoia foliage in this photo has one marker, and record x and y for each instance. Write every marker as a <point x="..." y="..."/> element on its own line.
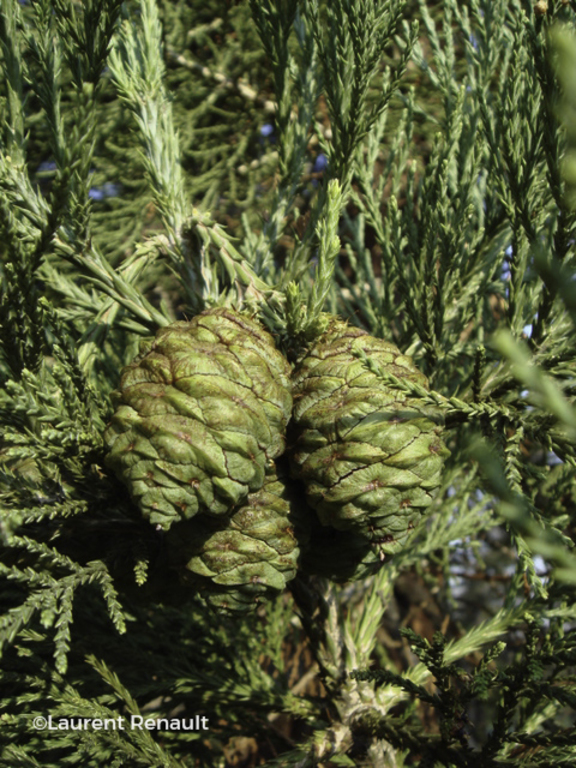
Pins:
<point x="400" y="173"/>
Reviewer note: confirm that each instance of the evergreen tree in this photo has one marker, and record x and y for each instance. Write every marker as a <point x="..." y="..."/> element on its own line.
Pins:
<point x="405" y="166"/>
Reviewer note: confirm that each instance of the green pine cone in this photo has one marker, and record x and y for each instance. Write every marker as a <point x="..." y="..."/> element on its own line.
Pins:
<point x="369" y="456"/>
<point x="199" y="417"/>
<point x="237" y="563"/>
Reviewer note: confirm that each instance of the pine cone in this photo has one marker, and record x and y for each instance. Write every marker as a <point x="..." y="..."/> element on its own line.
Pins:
<point x="200" y="416"/>
<point x="236" y="563"/>
<point x="369" y="455"/>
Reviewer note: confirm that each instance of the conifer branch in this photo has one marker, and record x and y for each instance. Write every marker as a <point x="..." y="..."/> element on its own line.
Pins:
<point x="406" y="168"/>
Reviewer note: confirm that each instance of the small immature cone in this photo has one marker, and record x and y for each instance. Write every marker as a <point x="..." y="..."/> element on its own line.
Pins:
<point x="541" y="8"/>
<point x="237" y="563"/>
<point x="200" y="417"/>
<point x="370" y="456"/>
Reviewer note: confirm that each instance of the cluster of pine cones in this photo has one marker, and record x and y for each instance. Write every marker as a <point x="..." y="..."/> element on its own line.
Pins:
<point x="255" y="469"/>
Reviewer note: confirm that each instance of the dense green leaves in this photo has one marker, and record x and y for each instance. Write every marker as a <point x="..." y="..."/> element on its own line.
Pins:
<point x="405" y="166"/>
